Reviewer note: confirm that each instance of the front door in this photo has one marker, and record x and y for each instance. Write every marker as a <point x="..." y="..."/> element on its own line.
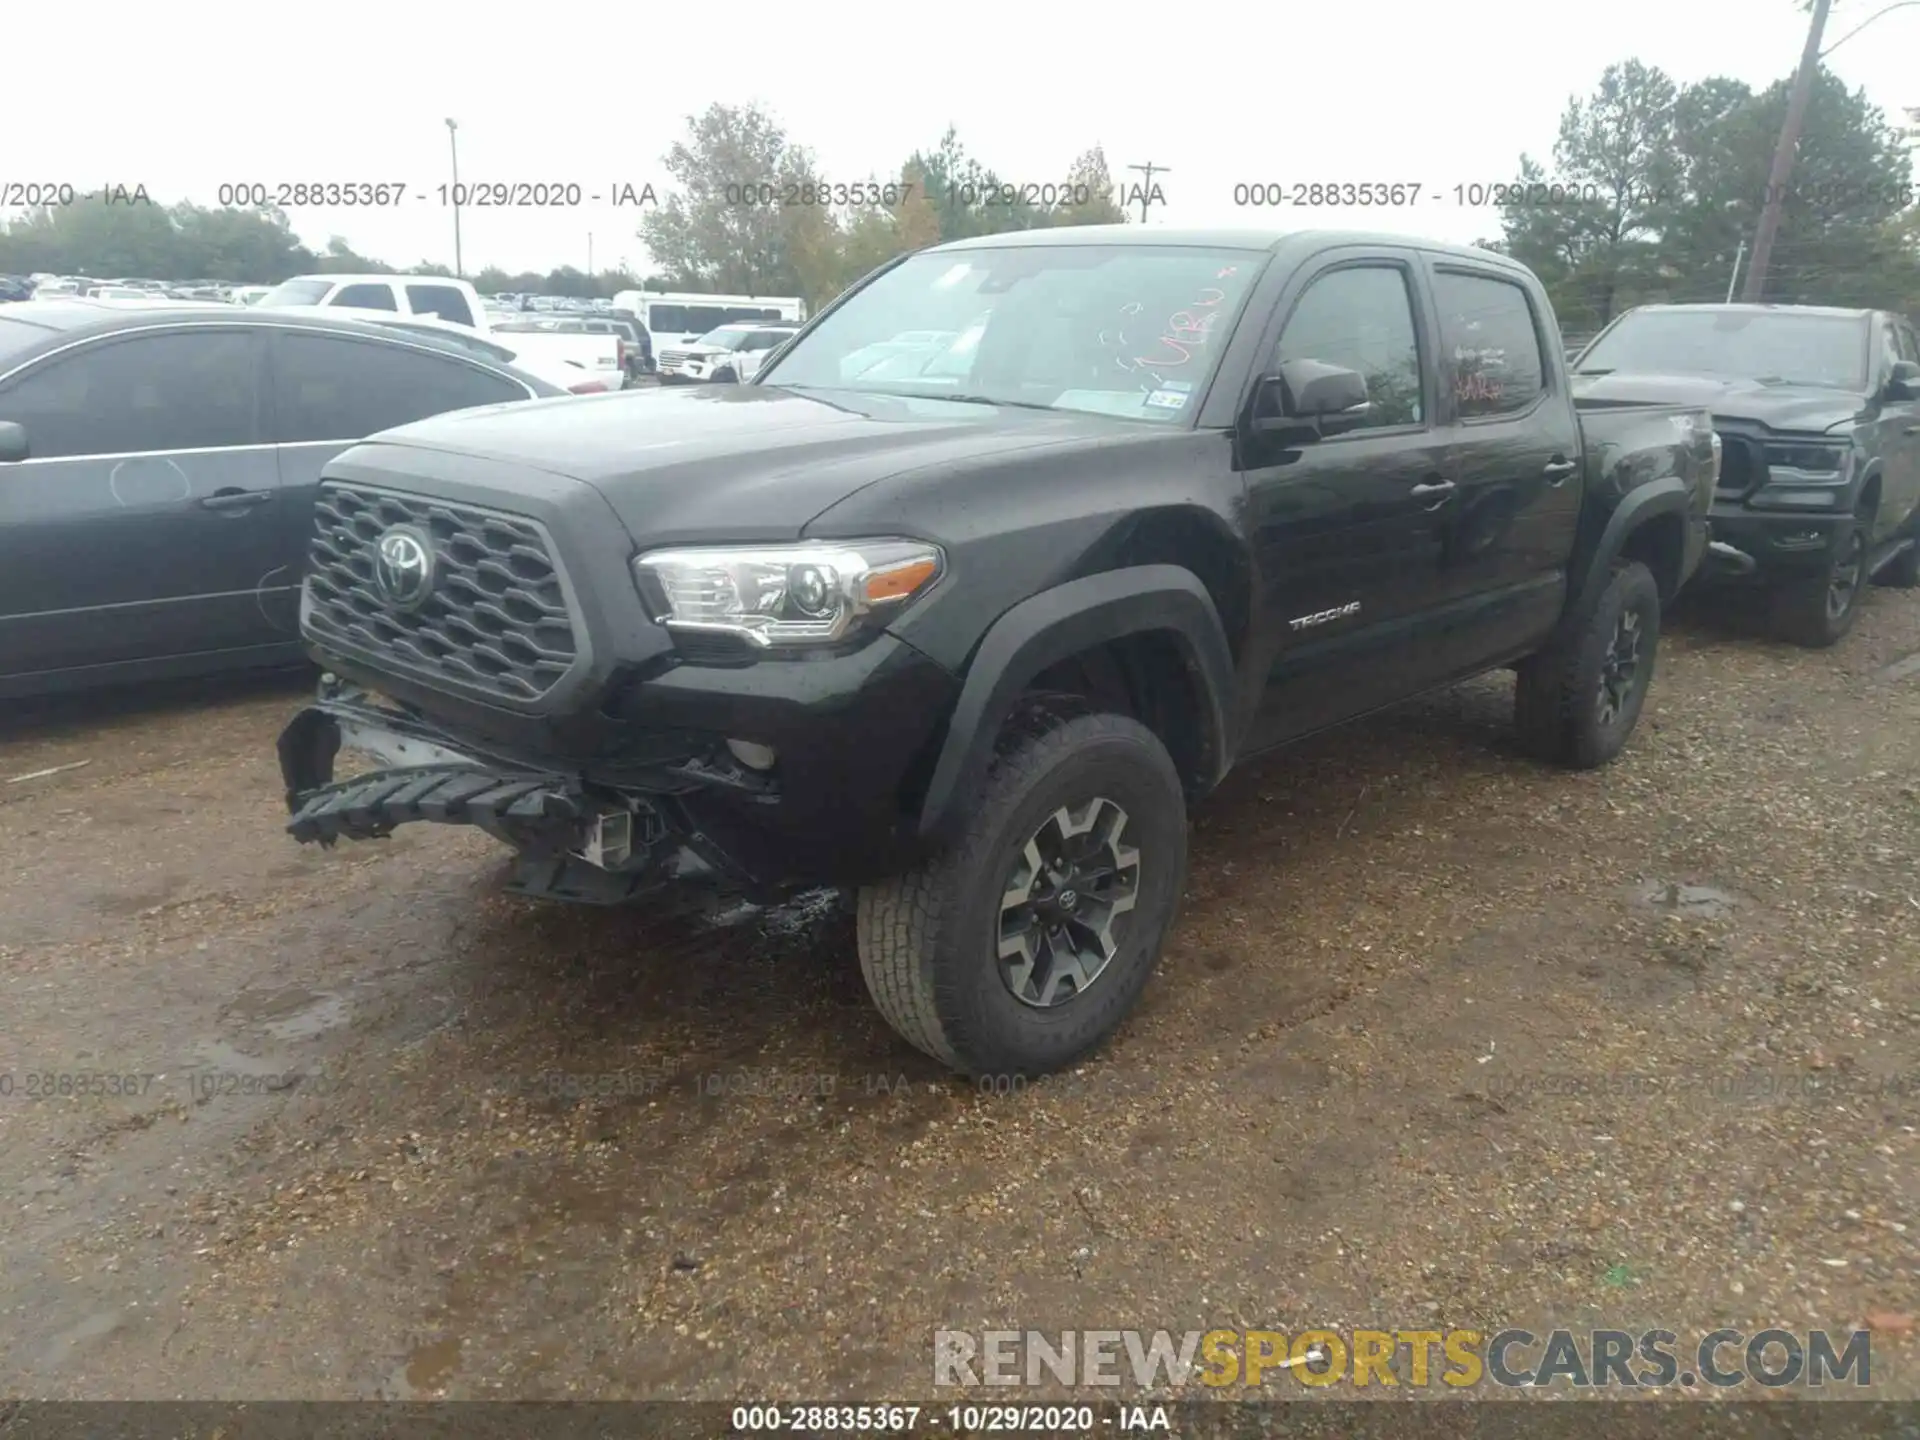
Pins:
<point x="143" y="524"/>
<point x="1349" y="531"/>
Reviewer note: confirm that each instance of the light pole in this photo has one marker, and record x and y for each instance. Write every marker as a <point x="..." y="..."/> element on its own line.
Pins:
<point x="453" y="144"/>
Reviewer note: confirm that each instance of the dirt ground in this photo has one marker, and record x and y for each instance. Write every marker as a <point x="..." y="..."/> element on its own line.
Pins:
<point x="1443" y="1038"/>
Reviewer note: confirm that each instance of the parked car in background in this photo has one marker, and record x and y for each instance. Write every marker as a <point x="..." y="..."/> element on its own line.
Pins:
<point x="601" y="355"/>
<point x="734" y="353"/>
<point x="454" y="300"/>
<point x="973" y="643"/>
<point x="157" y="474"/>
<point x="1818" y="412"/>
<point x="249" y="294"/>
<point x="676" y="321"/>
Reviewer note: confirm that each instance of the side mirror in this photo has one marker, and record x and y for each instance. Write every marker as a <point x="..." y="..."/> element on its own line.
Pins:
<point x="1311" y="400"/>
<point x="13" y="441"/>
<point x="1904" y="382"/>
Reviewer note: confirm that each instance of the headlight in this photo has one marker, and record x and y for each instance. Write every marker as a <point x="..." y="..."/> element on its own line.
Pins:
<point x="1808" y="459"/>
<point x="778" y="595"/>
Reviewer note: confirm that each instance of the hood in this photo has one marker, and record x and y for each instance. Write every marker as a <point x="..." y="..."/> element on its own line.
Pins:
<point x="739" y="463"/>
<point x="1779" y="407"/>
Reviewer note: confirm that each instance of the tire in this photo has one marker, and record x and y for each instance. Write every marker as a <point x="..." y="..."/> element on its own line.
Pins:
<point x="726" y="375"/>
<point x="1818" y="612"/>
<point x="929" y="940"/>
<point x="1562" y="710"/>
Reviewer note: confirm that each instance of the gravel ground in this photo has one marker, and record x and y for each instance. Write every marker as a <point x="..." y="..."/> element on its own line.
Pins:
<point x="1443" y="1038"/>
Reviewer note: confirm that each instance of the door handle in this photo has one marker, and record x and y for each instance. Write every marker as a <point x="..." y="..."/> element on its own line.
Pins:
<point x="1911" y="430"/>
<point x="1557" y="471"/>
<point x="1436" y="492"/>
<point x="235" y="499"/>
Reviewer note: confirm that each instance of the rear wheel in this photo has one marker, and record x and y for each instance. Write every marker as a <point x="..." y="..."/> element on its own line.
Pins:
<point x="1576" y="703"/>
<point x="1818" y="611"/>
<point x="1025" y="946"/>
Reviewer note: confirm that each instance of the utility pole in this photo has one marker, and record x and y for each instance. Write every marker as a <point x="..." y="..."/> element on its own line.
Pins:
<point x="1148" y="171"/>
<point x="589" y="255"/>
<point x="453" y="143"/>
<point x="1734" y="278"/>
<point x="1783" y="154"/>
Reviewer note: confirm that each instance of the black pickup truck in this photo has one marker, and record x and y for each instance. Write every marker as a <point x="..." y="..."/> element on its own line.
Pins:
<point x="1000" y="565"/>
<point x="1818" y="412"/>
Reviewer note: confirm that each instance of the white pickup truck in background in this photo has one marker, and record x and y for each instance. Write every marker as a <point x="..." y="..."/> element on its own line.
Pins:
<point x="584" y="364"/>
<point x="455" y="301"/>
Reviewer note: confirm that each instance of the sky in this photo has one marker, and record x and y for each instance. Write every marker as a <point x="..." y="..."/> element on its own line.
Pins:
<point x="1220" y="93"/>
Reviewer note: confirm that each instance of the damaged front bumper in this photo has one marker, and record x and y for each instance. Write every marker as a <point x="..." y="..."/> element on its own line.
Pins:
<point x="573" y="841"/>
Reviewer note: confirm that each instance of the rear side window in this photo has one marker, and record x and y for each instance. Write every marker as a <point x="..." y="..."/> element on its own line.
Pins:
<point x="328" y="388"/>
<point x="442" y="300"/>
<point x="1491" y="344"/>
<point x="366" y="297"/>
<point x="180" y="390"/>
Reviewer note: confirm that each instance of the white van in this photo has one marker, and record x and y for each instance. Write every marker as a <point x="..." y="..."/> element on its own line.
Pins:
<point x="451" y="300"/>
<point x="677" y="321"/>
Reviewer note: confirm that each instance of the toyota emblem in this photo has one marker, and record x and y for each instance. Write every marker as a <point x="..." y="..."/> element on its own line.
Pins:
<point x="403" y="567"/>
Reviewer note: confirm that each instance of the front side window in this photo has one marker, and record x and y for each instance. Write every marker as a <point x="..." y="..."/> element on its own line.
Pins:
<point x="330" y="388"/>
<point x="297" y="292"/>
<point x="178" y="390"/>
<point x="1361" y="318"/>
<point x="1491" y="343"/>
<point x="366" y="297"/>
<point x="1131" y="331"/>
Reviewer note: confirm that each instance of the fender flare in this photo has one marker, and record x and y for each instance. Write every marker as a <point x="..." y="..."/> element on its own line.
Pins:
<point x="1669" y="495"/>
<point x="1057" y="624"/>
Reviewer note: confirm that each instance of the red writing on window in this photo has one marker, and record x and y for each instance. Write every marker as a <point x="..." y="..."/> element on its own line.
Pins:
<point x="1476" y="389"/>
<point x="1186" y="331"/>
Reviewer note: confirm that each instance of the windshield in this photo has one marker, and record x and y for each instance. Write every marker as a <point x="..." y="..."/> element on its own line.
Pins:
<point x="727" y="337"/>
<point x="297" y="292"/>
<point x="1127" y="330"/>
<point x="1777" y="346"/>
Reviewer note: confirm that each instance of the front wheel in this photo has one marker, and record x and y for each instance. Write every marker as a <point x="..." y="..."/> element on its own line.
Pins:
<point x="1025" y="946"/>
<point x="1817" y="612"/>
<point x="726" y="375"/>
<point x="1577" y="702"/>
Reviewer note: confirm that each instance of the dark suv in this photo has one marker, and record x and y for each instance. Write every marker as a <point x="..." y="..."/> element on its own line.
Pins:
<point x="1818" y="412"/>
<point x="1002" y="562"/>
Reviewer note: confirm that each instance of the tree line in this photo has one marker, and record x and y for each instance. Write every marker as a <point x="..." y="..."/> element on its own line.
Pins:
<point x="749" y="211"/>
<point x="1654" y="191"/>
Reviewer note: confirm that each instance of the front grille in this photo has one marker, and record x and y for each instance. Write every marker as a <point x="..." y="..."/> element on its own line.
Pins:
<point x="1742" y="466"/>
<point x="496" y="620"/>
<point x="674" y="357"/>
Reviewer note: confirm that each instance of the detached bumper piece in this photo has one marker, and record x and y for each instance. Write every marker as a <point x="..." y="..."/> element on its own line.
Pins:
<point x="527" y="812"/>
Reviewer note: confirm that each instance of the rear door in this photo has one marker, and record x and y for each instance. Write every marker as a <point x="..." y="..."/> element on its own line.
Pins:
<point x="330" y="391"/>
<point x="1514" y="451"/>
<point x="1346" y="539"/>
<point x="148" y="520"/>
